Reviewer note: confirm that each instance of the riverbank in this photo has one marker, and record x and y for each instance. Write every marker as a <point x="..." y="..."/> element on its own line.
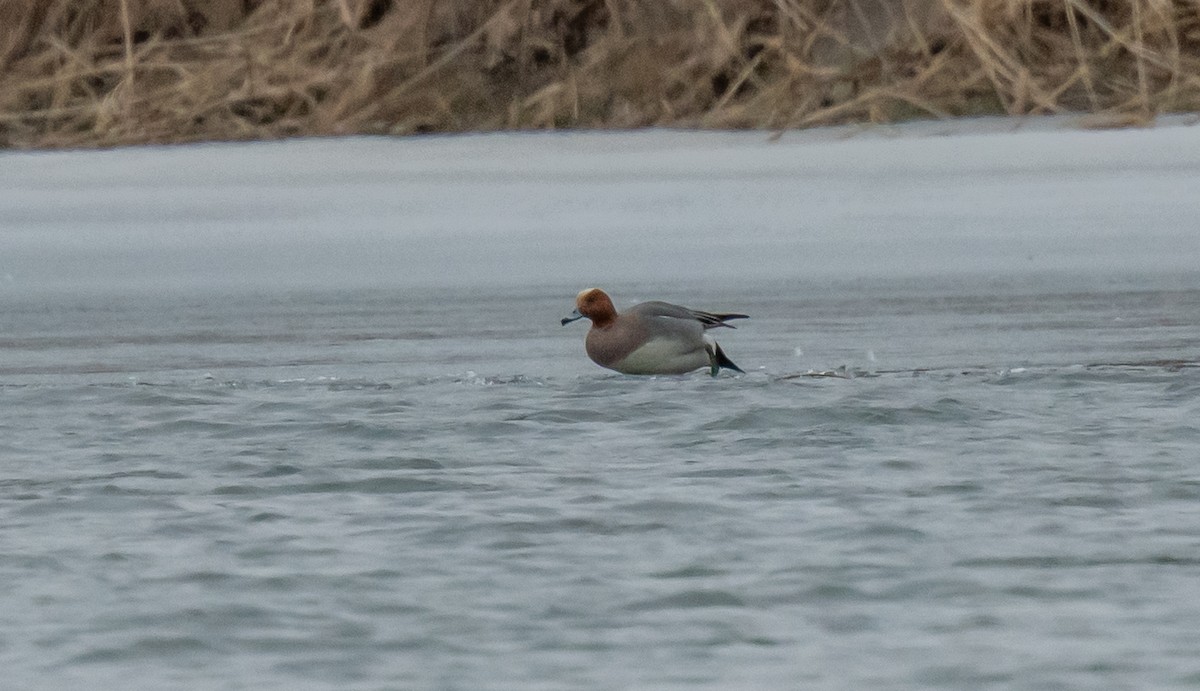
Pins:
<point x="96" y="73"/>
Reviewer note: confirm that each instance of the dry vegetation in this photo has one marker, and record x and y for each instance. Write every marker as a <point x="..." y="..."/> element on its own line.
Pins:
<point x="110" y="72"/>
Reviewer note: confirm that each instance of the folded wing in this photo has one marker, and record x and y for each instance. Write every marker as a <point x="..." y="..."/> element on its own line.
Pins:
<point x="710" y="320"/>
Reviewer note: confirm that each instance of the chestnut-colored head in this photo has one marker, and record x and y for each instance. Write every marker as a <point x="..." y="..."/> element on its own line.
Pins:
<point x="594" y="304"/>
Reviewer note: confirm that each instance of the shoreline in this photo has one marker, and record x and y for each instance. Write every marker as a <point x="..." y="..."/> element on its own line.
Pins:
<point x="966" y="126"/>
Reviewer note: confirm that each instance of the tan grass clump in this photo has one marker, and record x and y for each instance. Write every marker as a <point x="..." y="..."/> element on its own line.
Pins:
<point x="111" y="72"/>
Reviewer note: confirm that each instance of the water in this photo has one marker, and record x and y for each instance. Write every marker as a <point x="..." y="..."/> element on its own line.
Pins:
<point x="302" y="415"/>
<point x="399" y="489"/>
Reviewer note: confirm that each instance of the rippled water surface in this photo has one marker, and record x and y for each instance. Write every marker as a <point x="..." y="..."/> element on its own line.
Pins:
<point x="953" y="483"/>
<point x="302" y="416"/>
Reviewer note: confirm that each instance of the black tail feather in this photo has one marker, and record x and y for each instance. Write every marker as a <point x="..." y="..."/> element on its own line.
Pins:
<point x="720" y="359"/>
<point x="711" y="320"/>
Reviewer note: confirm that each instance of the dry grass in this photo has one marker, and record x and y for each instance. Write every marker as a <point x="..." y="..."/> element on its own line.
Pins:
<point x="111" y="72"/>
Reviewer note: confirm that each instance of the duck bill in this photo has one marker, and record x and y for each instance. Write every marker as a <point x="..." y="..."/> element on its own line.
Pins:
<point x="573" y="316"/>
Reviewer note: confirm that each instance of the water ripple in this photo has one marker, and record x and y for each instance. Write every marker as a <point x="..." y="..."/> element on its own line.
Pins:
<point x="481" y="507"/>
<point x="688" y="599"/>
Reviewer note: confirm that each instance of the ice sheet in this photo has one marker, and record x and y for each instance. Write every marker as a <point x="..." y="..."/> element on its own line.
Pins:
<point x="1003" y="197"/>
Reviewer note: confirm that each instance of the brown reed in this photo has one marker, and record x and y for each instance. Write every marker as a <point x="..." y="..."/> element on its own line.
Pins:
<point x="114" y="72"/>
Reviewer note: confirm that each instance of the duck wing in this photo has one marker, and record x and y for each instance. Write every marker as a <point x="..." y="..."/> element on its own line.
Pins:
<point x="656" y="308"/>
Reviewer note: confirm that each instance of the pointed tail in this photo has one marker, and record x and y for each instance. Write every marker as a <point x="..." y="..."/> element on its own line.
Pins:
<point x="720" y="359"/>
<point x="710" y="320"/>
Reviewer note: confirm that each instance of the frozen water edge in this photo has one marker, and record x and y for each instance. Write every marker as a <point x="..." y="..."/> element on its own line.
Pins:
<point x="994" y="196"/>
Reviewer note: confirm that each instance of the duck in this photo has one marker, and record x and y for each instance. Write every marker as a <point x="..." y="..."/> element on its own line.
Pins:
<point x="651" y="337"/>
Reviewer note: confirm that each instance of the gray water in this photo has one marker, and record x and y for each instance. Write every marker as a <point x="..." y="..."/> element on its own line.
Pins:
<point x="303" y="416"/>
<point x="378" y="489"/>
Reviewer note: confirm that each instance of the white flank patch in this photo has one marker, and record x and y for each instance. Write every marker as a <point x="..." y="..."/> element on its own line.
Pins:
<point x="663" y="356"/>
